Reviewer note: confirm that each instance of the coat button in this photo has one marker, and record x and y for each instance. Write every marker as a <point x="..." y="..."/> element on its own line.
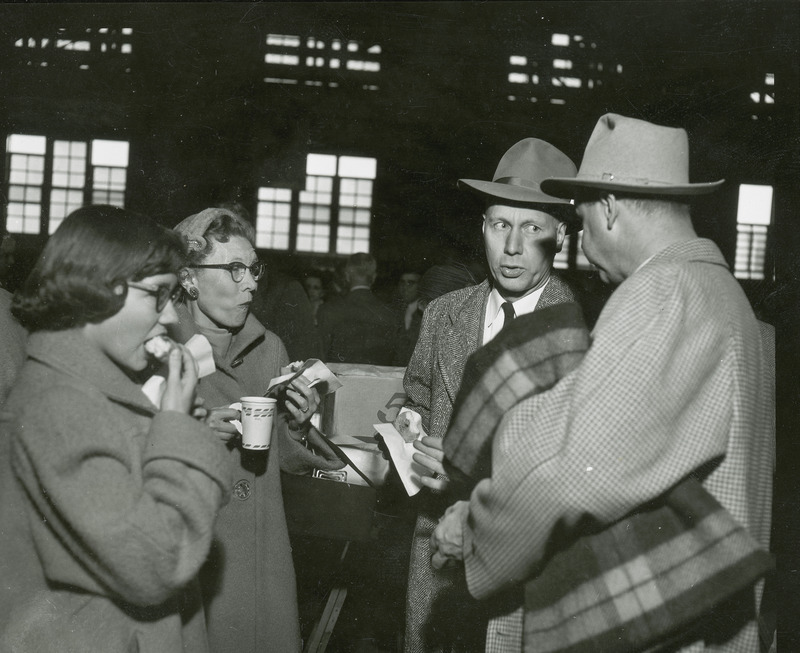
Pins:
<point x="242" y="490"/>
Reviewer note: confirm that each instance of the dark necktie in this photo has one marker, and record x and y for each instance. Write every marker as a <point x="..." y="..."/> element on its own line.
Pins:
<point x="508" y="311"/>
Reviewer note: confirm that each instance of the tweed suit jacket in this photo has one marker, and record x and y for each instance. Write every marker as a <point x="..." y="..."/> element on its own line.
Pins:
<point x="676" y="382"/>
<point x="452" y="329"/>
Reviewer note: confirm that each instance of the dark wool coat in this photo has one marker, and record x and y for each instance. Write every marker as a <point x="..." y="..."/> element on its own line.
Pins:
<point x="452" y="329"/>
<point x="357" y="328"/>
<point x="107" y="509"/>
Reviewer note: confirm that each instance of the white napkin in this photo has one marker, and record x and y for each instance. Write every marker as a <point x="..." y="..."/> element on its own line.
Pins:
<point x="200" y="349"/>
<point x="317" y="374"/>
<point x="401" y="453"/>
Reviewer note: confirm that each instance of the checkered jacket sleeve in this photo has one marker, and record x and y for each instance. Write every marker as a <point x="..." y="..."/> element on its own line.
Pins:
<point x="672" y="384"/>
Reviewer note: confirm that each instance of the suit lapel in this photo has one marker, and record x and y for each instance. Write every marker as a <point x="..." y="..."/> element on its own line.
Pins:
<point x="463" y="336"/>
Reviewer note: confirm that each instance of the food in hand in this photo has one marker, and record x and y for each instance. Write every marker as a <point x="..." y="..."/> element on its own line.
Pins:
<point x="408" y="426"/>
<point x="159" y="347"/>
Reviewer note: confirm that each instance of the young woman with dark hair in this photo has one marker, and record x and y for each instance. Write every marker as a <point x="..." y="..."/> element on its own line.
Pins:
<point x="108" y="501"/>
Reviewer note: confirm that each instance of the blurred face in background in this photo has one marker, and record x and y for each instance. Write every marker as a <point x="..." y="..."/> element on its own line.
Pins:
<point x="407" y="286"/>
<point x="313" y="288"/>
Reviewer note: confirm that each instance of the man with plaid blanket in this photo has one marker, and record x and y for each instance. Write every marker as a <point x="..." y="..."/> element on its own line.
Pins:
<point x="672" y="397"/>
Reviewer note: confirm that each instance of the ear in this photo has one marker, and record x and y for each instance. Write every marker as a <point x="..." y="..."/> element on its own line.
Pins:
<point x="610" y="209"/>
<point x="186" y="278"/>
<point x="561" y="232"/>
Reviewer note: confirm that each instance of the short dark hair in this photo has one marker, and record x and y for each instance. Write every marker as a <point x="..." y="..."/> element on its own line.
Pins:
<point x="225" y="225"/>
<point x="94" y="250"/>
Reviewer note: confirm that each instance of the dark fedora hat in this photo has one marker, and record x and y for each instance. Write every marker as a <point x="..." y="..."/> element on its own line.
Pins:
<point x="633" y="156"/>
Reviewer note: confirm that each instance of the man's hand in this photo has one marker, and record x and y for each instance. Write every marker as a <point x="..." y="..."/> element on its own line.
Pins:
<point x="430" y="458"/>
<point x="447" y="539"/>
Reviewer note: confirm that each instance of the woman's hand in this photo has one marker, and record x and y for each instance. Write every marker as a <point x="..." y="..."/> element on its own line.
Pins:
<point x="430" y="458"/>
<point x="301" y="401"/>
<point x="219" y="420"/>
<point x="181" y="381"/>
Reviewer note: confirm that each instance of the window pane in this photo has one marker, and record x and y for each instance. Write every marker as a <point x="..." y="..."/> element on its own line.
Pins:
<point x="755" y="204"/>
<point x="25" y="144"/>
<point x="110" y="153"/>
<point x="356" y="166"/>
<point x="321" y="164"/>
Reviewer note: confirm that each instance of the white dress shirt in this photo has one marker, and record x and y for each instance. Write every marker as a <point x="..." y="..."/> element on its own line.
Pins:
<point x="495" y="318"/>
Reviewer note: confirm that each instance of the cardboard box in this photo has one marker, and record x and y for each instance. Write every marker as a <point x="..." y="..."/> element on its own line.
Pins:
<point x="370" y="394"/>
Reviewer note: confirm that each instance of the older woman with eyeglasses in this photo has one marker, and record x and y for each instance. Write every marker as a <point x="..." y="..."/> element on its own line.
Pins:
<point x="249" y="581"/>
<point x="108" y="501"/>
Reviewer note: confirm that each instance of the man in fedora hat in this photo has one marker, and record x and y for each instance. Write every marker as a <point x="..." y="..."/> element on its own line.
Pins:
<point x="675" y="385"/>
<point x="523" y="229"/>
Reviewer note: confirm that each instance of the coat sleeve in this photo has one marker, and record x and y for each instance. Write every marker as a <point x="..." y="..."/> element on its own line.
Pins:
<point x="418" y="378"/>
<point x="649" y="405"/>
<point x="141" y="525"/>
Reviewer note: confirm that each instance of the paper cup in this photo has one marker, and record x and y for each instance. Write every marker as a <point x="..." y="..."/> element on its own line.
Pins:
<point x="258" y="414"/>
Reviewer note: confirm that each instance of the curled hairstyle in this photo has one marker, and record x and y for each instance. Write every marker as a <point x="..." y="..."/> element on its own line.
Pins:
<point x="224" y="225"/>
<point x="94" y="251"/>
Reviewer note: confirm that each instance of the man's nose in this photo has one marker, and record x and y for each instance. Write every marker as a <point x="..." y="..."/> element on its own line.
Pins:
<point x="514" y="242"/>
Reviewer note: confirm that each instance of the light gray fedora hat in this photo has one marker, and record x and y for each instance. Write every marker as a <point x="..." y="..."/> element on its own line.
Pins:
<point x="521" y="170"/>
<point x="633" y="156"/>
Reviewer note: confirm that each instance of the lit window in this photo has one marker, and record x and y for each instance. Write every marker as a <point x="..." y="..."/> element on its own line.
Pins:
<point x="562" y="64"/>
<point x="769" y="79"/>
<point x="334" y="209"/>
<point x="518" y="78"/>
<point x="518" y="61"/>
<point x="273" y="218"/>
<point x="282" y="59"/>
<point x="569" y="82"/>
<point x="352" y="46"/>
<point x="109" y="172"/>
<point x="355" y="203"/>
<point x="26" y="157"/>
<point x="753" y="219"/>
<point x="68" y="180"/>
<point x="34" y="199"/>
<point x="560" y="39"/>
<point x="283" y="40"/>
<point x="314" y="224"/>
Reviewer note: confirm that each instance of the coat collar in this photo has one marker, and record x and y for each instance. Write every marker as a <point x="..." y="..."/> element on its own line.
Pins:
<point x="697" y="250"/>
<point x="250" y="335"/>
<point x="72" y="354"/>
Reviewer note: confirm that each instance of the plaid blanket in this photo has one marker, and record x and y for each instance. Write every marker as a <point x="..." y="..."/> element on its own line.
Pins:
<point x="528" y="356"/>
<point x="644" y="581"/>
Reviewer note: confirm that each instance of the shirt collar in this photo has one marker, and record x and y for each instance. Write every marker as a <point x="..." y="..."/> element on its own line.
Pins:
<point x="522" y="306"/>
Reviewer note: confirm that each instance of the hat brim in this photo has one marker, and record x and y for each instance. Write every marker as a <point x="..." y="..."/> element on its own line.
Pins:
<point x="509" y="192"/>
<point x="565" y="187"/>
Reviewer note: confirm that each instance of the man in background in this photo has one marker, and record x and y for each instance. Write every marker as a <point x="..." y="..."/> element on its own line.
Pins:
<point x="357" y="327"/>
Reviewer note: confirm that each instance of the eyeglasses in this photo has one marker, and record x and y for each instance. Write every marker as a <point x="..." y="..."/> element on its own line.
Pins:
<point x="237" y="269"/>
<point x="163" y="294"/>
